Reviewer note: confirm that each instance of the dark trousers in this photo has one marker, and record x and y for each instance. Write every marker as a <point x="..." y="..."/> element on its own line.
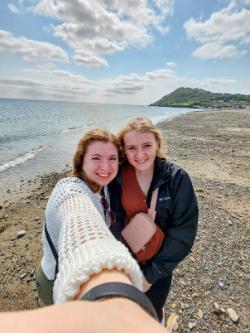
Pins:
<point x="158" y="293"/>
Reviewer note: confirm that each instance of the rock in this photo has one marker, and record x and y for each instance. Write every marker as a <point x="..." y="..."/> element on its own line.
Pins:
<point x="22" y="276"/>
<point x="37" y="218"/>
<point x="221" y="285"/>
<point x="218" y="311"/>
<point x="191" y="325"/>
<point x="20" y="233"/>
<point x="233" y="315"/>
<point x="199" y="314"/>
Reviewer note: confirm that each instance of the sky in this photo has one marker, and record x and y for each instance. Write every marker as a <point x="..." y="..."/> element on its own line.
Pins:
<point x="122" y="51"/>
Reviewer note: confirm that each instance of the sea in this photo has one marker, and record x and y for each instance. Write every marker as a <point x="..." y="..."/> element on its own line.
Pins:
<point x="39" y="137"/>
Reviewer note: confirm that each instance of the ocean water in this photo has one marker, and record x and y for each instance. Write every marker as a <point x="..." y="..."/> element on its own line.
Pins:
<point x="38" y="137"/>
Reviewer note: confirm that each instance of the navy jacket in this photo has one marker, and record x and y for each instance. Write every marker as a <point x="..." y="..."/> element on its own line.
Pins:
<point x="176" y="214"/>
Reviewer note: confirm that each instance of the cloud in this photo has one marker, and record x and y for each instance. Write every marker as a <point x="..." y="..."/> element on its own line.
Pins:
<point x="31" y="50"/>
<point x="170" y="64"/>
<point x="222" y="35"/>
<point x="217" y="51"/>
<point x="105" y="26"/>
<point x="215" y="84"/>
<point x="56" y="84"/>
<point x="89" y="60"/>
<point x="159" y="74"/>
<point x="24" y="88"/>
<point x="13" y="8"/>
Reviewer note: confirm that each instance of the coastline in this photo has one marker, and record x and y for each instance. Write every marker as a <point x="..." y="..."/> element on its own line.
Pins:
<point x="213" y="146"/>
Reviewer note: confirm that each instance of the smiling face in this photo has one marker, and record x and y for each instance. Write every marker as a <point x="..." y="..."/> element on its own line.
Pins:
<point x="100" y="163"/>
<point x="140" y="149"/>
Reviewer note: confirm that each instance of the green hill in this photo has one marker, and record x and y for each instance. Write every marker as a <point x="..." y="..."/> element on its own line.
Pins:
<point x="195" y="98"/>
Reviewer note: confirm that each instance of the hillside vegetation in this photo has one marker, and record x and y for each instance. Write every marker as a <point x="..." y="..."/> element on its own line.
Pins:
<point x="195" y="98"/>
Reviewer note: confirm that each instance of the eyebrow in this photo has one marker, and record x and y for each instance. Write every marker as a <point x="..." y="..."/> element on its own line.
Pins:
<point x="144" y="143"/>
<point x="99" y="155"/>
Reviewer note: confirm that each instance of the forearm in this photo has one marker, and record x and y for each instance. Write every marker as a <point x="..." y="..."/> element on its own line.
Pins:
<point x="80" y="316"/>
<point x="103" y="277"/>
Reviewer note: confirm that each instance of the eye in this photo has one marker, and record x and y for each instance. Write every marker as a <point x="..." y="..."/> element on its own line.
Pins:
<point x="148" y="145"/>
<point x="96" y="158"/>
<point x="113" y="158"/>
<point x="131" y="148"/>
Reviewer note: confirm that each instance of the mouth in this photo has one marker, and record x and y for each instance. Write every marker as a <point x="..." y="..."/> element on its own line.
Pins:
<point x="141" y="162"/>
<point x="103" y="175"/>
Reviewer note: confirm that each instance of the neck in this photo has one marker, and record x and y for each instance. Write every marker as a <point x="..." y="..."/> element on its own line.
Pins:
<point x="147" y="173"/>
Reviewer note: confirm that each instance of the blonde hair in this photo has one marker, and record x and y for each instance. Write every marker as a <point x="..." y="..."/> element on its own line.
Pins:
<point x="82" y="146"/>
<point x="144" y="125"/>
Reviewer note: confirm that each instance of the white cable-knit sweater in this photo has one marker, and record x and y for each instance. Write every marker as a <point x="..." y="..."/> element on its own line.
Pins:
<point x="75" y="221"/>
<point x="65" y="188"/>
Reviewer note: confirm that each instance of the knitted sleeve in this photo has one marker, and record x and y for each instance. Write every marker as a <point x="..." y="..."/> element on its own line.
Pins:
<point x="86" y="246"/>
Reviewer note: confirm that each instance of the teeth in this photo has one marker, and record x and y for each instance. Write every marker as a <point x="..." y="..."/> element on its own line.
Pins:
<point x="103" y="174"/>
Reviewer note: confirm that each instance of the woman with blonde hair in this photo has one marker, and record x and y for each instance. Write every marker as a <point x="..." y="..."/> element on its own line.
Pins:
<point x="144" y="173"/>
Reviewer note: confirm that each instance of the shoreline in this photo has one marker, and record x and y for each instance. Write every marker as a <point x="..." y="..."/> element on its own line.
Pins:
<point x="213" y="147"/>
<point x="27" y="166"/>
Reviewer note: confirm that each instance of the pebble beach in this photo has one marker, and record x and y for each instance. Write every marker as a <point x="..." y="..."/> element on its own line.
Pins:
<point x="210" y="287"/>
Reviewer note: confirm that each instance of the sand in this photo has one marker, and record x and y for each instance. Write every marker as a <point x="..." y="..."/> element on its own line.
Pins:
<point x="213" y="146"/>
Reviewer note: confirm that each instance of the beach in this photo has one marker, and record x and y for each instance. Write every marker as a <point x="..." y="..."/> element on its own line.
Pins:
<point x="213" y="147"/>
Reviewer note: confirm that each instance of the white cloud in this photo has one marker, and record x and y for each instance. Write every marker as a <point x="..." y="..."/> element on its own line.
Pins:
<point x="222" y="35"/>
<point x="214" y="84"/>
<point x="13" y="8"/>
<point x="29" y="49"/>
<point x="56" y="84"/>
<point x="216" y="51"/>
<point x="170" y="64"/>
<point x="89" y="60"/>
<point x="100" y="27"/>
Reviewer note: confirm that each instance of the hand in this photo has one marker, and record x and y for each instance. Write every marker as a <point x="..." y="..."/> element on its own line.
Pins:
<point x="146" y="285"/>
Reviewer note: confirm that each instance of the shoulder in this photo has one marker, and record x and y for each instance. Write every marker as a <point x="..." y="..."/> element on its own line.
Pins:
<point x="170" y="175"/>
<point x="166" y="169"/>
<point x="70" y="186"/>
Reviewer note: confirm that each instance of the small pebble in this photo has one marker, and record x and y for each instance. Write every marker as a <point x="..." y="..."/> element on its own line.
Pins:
<point x="191" y="325"/>
<point x="22" y="276"/>
<point x="20" y="233"/>
<point x="221" y="285"/>
<point x="233" y="315"/>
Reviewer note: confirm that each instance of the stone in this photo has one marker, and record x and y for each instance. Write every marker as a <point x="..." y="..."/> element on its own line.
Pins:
<point x="191" y="325"/>
<point x="221" y="285"/>
<point x="20" y="233"/>
<point x="22" y="276"/>
<point x="199" y="314"/>
<point x="233" y="315"/>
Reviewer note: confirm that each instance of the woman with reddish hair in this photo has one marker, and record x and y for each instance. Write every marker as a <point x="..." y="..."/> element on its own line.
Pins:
<point x="95" y="164"/>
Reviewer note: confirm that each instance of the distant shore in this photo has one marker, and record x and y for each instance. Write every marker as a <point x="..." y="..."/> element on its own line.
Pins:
<point x="213" y="146"/>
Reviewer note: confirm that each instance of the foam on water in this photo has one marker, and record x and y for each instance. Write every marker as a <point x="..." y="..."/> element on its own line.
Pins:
<point x="23" y="158"/>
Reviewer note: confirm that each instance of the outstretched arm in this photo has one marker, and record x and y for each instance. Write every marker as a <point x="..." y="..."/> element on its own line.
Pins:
<point x="88" y="256"/>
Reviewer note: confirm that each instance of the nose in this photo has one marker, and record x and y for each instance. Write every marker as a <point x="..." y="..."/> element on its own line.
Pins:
<point x="139" y="153"/>
<point x="106" y="164"/>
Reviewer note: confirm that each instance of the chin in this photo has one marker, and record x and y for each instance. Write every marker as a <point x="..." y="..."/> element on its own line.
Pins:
<point x="104" y="182"/>
<point x="143" y="167"/>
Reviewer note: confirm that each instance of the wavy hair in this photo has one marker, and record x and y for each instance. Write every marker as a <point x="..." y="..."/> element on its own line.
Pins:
<point x="82" y="146"/>
<point x="144" y="125"/>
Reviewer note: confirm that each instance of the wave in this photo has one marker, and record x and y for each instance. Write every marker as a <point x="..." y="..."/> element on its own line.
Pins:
<point x="80" y="128"/>
<point x="71" y="129"/>
<point x="23" y="158"/>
